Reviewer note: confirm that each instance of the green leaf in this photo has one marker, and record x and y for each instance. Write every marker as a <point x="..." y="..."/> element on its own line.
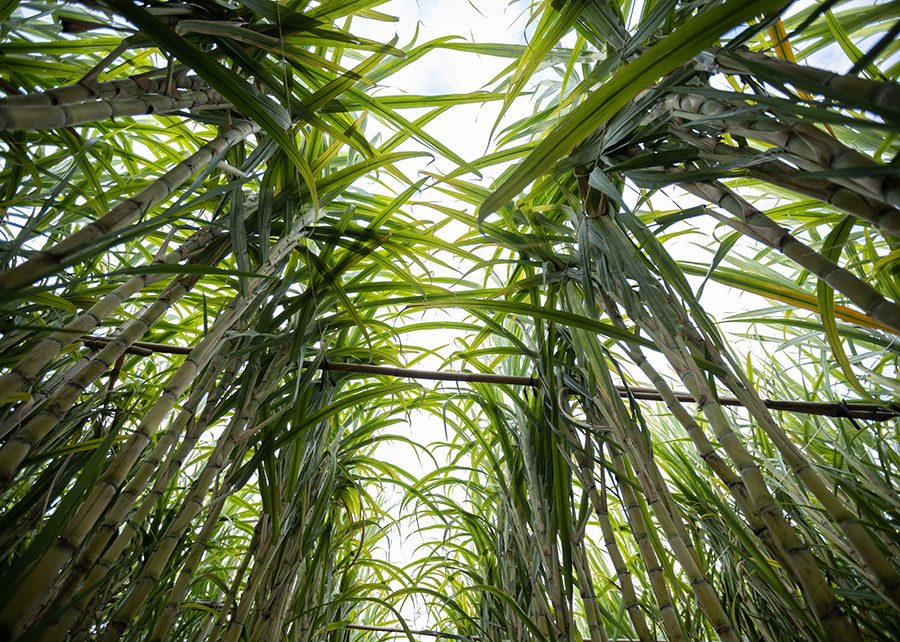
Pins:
<point x="665" y="56"/>
<point x="831" y="249"/>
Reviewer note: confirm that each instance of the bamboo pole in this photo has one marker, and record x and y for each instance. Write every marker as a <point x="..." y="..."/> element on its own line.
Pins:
<point x="852" y="409"/>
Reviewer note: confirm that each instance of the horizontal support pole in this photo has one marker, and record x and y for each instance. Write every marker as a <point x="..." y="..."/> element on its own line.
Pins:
<point x="432" y="634"/>
<point x="853" y="410"/>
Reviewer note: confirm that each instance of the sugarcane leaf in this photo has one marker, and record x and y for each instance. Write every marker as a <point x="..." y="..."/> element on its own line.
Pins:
<point x="669" y="53"/>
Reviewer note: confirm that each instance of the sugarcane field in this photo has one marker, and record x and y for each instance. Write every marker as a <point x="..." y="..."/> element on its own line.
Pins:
<point x="449" y="321"/>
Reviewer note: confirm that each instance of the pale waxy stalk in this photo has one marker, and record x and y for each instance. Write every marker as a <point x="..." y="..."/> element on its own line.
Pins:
<point x="876" y="563"/>
<point x="191" y="507"/>
<point x="776" y="172"/>
<point x="667" y="515"/>
<point x="760" y="227"/>
<point x="797" y="553"/>
<point x="808" y="146"/>
<point x="703" y="445"/>
<point x="635" y="511"/>
<point x="268" y="615"/>
<point x="44" y="572"/>
<point x="22" y="442"/>
<point x="657" y="324"/>
<point x="39" y="356"/>
<point x="561" y="622"/>
<point x="99" y="556"/>
<point x="150" y="83"/>
<point x="252" y="553"/>
<point x="847" y="87"/>
<point x="65" y="252"/>
<point x="586" y="590"/>
<point x="222" y="453"/>
<point x="235" y="625"/>
<point x="15" y="117"/>
<point x="584" y="469"/>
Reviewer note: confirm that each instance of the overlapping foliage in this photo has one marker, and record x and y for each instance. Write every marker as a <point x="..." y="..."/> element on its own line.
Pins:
<point x="198" y="219"/>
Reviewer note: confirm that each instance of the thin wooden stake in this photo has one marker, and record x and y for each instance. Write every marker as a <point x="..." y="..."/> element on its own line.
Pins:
<point x="430" y="633"/>
<point x="850" y="410"/>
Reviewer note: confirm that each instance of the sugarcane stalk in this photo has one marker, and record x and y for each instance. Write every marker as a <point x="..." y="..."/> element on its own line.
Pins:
<point x="667" y="516"/>
<point x="14" y="615"/>
<point x="19" y="117"/>
<point x="68" y="251"/>
<point x="587" y="592"/>
<point x="635" y="513"/>
<point x="760" y="227"/>
<point x="776" y="172"/>
<point x="23" y="441"/>
<point x="704" y="447"/>
<point x="191" y="507"/>
<point x="875" y="562"/>
<point x="634" y="305"/>
<point x="663" y="324"/>
<point x="44" y="572"/>
<point x="14" y="419"/>
<point x="39" y="356"/>
<point x="847" y="88"/>
<point x="231" y="594"/>
<point x="545" y="544"/>
<point x="235" y="625"/>
<point x="803" y="566"/>
<point x="269" y="614"/>
<point x="811" y="148"/>
<point x="97" y="560"/>
<point x="584" y="458"/>
<point x="733" y="482"/>
<point x="797" y="553"/>
<point x="524" y="539"/>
